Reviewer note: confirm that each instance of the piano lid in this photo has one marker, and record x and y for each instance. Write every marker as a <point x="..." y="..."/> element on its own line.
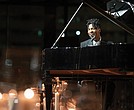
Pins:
<point x="120" y="12"/>
<point x="113" y="29"/>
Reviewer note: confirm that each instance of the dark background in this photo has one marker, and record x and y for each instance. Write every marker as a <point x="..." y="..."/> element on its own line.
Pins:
<point x="29" y="26"/>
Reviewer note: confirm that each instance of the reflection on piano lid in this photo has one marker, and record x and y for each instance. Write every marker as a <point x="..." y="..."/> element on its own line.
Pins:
<point x="125" y="21"/>
<point x="114" y="6"/>
<point x="118" y="14"/>
<point x="121" y="10"/>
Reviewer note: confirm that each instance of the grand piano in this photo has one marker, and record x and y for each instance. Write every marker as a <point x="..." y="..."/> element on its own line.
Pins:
<point x="104" y="62"/>
<point x="91" y="58"/>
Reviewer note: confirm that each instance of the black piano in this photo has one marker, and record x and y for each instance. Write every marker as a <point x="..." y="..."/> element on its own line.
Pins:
<point x="104" y="61"/>
<point x="96" y="62"/>
<point x="114" y="56"/>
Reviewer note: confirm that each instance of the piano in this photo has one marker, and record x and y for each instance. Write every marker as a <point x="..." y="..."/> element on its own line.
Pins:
<point x="103" y="61"/>
<point x="113" y="57"/>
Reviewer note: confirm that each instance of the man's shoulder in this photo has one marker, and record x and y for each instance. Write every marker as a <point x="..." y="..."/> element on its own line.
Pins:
<point x="106" y="42"/>
<point x="86" y="43"/>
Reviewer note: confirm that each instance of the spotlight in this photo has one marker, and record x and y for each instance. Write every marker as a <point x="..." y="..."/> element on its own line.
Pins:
<point x="29" y="93"/>
<point x="1" y="96"/>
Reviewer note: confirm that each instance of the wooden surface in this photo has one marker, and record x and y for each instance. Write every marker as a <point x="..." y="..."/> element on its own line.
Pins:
<point x="108" y="71"/>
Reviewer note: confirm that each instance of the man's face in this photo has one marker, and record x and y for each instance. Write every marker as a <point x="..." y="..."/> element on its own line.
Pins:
<point x="93" y="32"/>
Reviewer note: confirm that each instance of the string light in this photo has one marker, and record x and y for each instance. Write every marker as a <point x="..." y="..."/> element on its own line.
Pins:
<point x="29" y="93"/>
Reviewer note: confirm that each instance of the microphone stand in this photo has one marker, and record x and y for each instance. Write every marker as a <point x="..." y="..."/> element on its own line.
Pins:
<point x="66" y="26"/>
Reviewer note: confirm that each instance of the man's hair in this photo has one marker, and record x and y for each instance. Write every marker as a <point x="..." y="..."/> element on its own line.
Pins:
<point x="94" y="21"/>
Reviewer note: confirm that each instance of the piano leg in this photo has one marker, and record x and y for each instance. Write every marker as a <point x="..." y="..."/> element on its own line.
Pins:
<point x="48" y="90"/>
<point x="108" y="88"/>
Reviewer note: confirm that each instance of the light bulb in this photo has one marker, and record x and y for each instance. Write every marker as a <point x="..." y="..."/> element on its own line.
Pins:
<point x="28" y="93"/>
<point x="0" y="96"/>
<point x="12" y="93"/>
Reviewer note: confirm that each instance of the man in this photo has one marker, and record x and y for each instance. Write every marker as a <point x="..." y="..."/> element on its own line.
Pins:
<point x="95" y="39"/>
<point x="93" y="30"/>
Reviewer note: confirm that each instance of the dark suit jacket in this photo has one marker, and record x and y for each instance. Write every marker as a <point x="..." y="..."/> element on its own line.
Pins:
<point x="86" y="43"/>
<point x="89" y="42"/>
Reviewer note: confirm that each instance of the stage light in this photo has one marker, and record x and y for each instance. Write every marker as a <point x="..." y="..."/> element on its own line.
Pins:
<point x="63" y="35"/>
<point x="1" y="96"/>
<point x="29" y="93"/>
<point x="78" y="33"/>
<point x="12" y="93"/>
